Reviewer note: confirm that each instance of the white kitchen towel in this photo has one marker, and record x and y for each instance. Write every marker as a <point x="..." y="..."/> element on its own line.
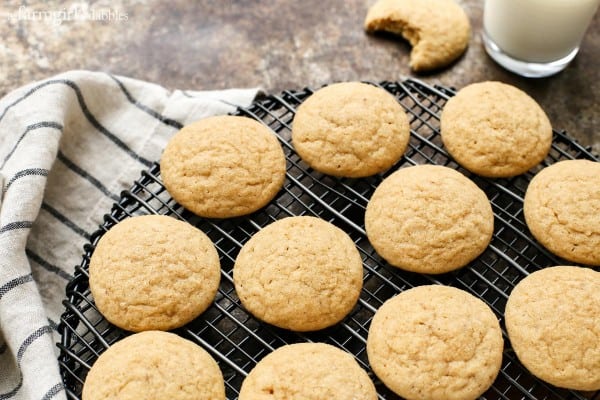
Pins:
<point x="68" y="146"/>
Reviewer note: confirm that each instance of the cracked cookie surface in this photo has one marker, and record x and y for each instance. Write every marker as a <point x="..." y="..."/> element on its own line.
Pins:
<point x="552" y="319"/>
<point x="153" y="272"/>
<point x="429" y="219"/>
<point x="350" y="129"/>
<point x="154" y="366"/>
<point x="435" y="343"/>
<point x="308" y="371"/>
<point x="562" y="210"/>
<point x="299" y="273"/>
<point x="495" y="130"/>
<point x="223" y="166"/>
<point x="438" y="30"/>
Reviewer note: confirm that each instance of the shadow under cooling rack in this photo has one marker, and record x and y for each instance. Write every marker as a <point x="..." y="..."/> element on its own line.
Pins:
<point x="238" y="341"/>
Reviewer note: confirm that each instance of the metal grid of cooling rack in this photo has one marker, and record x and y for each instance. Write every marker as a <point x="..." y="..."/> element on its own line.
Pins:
<point x="238" y="341"/>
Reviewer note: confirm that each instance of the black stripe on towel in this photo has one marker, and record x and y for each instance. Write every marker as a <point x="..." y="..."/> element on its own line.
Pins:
<point x="81" y="172"/>
<point x="32" y="127"/>
<point x="46" y="329"/>
<point x="24" y="173"/>
<point x="46" y="265"/>
<point x="32" y="338"/>
<point x="146" y="109"/>
<point x="16" y="225"/>
<point x="54" y="390"/>
<point x="53" y="324"/>
<point x="65" y="221"/>
<point x="10" y="285"/>
<point x="86" y="112"/>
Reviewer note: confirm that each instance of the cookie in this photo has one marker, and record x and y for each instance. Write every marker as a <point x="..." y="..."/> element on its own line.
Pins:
<point x="153" y="272"/>
<point x="562" y="210"/>
<point x="429" y="219"/>
<point x="435" y="343"/>
<point x="350" y="129"/>
<point x="552" y="320"/>
<point x="438" y="30"/>
<point x="224" y="166"/>
<point x="495" y="130"/>
<point x="308" y="371"/>
<point x="154" y="365"/>
<point x="299" y="273"/>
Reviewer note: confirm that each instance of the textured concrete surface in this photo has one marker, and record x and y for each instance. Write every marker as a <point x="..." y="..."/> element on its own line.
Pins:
<point x="275" y="44"/>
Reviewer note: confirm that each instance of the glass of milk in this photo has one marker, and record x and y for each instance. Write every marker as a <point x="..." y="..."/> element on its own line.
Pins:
<point x="535" y="38"/>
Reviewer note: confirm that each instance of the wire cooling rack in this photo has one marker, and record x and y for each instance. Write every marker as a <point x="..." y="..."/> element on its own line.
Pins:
<point x="238" y="341"/>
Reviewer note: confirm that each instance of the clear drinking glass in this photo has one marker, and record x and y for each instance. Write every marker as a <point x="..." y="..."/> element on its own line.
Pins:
<point x="535" y="38"/>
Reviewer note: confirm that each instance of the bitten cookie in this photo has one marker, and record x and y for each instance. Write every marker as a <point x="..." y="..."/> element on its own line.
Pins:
<point x="153" y="272"/>
<point x="224" y="166"/>
<point x="350" y="129"/>
<point x="154" y="366"/>
<point x="435" y="343"/>
<point x="429" y="219"/>
<point x="308" y="371"/>
<point x="495" y="130"/>
<point x="438" y="30"/>
<point x="299" y="273"/>
<point x="553" y="323"/>
<point x="562" y="210"/>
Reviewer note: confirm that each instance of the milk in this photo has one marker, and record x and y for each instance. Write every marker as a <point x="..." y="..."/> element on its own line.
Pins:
<point x="538" y="31"/>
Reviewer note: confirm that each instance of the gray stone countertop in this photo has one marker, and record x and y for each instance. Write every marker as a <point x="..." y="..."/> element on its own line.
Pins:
<point x="274" y="45"/>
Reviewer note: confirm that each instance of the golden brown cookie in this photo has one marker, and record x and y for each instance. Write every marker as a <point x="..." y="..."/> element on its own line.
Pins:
<point x="438" y="30"/>
<point x="308" y="371"/>
<point x="224" y="166"/>
<point x="435" y="343"/>
<point x="553" y="323"/>
<point x="153" y="272"/>
<point x="429" y="219"/>
<point x="154" y="366"/>
<point x="495" y="130"/>
<point x="562" y="210"/>
<point x="299" y="273"/>
<point x="350" y="129"/>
